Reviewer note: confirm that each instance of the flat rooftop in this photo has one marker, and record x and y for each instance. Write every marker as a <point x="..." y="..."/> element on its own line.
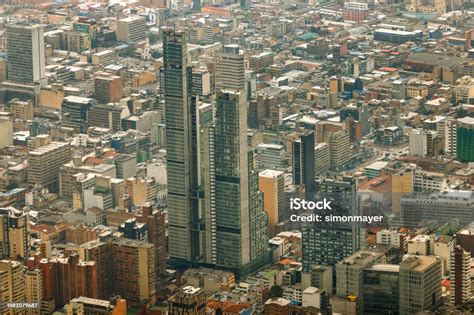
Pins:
<point x="436" y="59"/>
<point x="270" y="173"/>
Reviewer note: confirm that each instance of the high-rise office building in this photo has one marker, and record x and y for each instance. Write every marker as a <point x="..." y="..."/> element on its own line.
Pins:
<point x="44" y="163"/>
<point x="272" y="184"/>
<point x="131" y="29"/>
<point x="107" y="116"/>
<point x="420" y="289"/>
<point x="339" y="149"/>
<point x="208" y="187"/>
<point x="75" y="112"/>
<point x="201" y="82"/>
<point x="349" y="274"/>
<point x="464" y="143"/>
<point x="108" y="88"/>
<point x="303" y="163"/>
<point x="460" y="277"/>
<point x="26" y="57"/>
<point x="230" y="69"/>
<point x="327" y="243"/>
<point x="381" y="289"/>
<point x="258" y="221"/>
<point x="181" y="150"/>
<point x="207" y="163"/>
<point x="233" y="196"/>
<point x="322" y="160"/>
<point x="206" y="181"/>
<point x="450" y="205"/>
<point x="271" y="155"/>
<point x="14" y="242"/>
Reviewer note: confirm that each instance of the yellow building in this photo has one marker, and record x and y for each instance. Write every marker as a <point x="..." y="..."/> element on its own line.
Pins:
<point x="6" y="130"/>
<point x="334" y="85"/>
<point x="402" y="184"/>
<point x="141" y="190"/>
<point x="52" y="96"/>
<point x="3" y="70"/>
<point x="33" y="289"/>
<point x="417" y="91"/>
<point x="22" y="110"/>
<point x="12" y="285"/>
<point x="272" y="184"/>
<point x="134" y="270"/>
<point x="465" y="89"/>
<point x="143" y="78"/>
<point x="13" y="233"/>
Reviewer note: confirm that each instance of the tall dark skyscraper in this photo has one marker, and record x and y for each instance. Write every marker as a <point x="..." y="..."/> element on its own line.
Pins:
<point x="241" y="223"/>
<point x="182" y="168"/>
<point x="327" y="243"/>
<point x="231" y="181"/>
<point x="216" y="214"/>
<point x="239" y="211"/>
<point x="303" y="163"/>
<point x="259" y="230"/>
